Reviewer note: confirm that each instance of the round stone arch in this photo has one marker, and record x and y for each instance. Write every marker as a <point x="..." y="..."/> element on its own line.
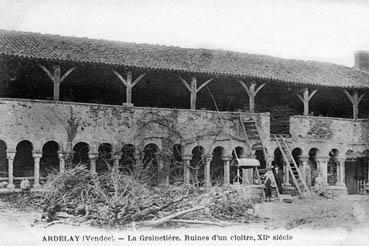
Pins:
<point x="44" y="141"/>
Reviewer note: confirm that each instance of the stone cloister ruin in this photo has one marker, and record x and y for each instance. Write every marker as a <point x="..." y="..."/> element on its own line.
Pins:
<point x="79" y="100"/>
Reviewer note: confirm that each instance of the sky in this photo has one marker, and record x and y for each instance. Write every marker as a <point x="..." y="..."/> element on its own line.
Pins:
<point x="322" y="30"/>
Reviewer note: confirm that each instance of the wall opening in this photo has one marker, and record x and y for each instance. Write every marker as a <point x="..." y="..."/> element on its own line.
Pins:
<point x="23" y="160"/>
<point x="80" y="156"/>
<point x="150" y="164"/>
<point x="3" y="160"/>
<point x="197" y="165"/>
<point x="217" y="167"/>
<point x="332" y="167"/>
<point x="127" y="160"/>
<point x="313" y="166"/>
<point x="49" y="161"/>
<point x="176" y="172"/>
<point x="104" y="161"/>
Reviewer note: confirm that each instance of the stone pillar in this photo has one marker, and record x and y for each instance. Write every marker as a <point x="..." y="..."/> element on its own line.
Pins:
<point x="62" y="156"/>
<point x="227" y="169"/>
<point x="186" y="169"/>
<point x="93" y="158"/>
<point x="305" y="171"/>
<point x="322" y="163"/>
<point x="36" y="156"/>
<point x="138" y="160"/>
<point x="116" y="158"/>
<point x="10" y="156"/>
<point x="341" y="171"/>
<point x="207" y="175"/>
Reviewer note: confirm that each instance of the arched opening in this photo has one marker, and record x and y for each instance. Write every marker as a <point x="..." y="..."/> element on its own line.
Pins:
<point x="80" y="156"/>
<point x="23" y="161"/>
<point x="197" y="165"/>
<point x="332" y="167"/>
<point x="127" y="159"/>
<point x="296" y="154"/>
<point x="49" y="161"/>
<point x="217" y="167"/>
<point x="3" y="160"/>
<point x="237" y="153"/>
<point x="278" y="159"/>
<point x="150" y="163"/>
<point x="313" y="166"/>
<point x="176" y="173"/>
<point x="259" y="154"/>
<point x="356" y="171"/>
<point x="104" y="160"/>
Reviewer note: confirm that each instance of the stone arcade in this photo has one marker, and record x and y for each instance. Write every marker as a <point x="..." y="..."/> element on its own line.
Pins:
<point x="67" y="99"/>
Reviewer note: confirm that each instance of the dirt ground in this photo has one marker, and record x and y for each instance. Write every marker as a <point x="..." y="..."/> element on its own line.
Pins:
<point x="338" y="221"/>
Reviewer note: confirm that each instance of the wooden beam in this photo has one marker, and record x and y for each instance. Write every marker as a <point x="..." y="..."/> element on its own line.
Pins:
<point x="355" y="99"/>
<point x="193" y="89"/>
<point x="56" y="79"/>
<point x="129" y="83"/>
<point x="305" y="99"/>
<point x="251" y="91"/>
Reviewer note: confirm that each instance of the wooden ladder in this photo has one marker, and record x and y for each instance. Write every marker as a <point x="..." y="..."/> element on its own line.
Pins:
<point x="254" y="142"/>
<point x="292" y="167"/>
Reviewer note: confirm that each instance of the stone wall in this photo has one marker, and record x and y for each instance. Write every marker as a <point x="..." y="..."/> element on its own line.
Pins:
<point x="326" y="133"/>
<point x="69" y="123"/>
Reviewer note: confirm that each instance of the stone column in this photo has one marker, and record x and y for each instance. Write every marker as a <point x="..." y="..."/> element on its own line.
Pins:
<point x="186" y="169"/>
<point x="227" y="169"/>
<point x="322" y="163"/>
<point x="116" y="158"/>
<point x="207" y="175"/>
<point x="138" y="160"/>
<point x="341" y="171"/>
<point x="62" y="156"/>
<point x="305" y="171"/>
<point x="93" y="158"/>
<point x="36" y="156"/>
<point x="10" y="156"/>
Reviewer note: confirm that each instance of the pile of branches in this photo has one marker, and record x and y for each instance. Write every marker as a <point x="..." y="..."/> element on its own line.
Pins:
<point x="117" y="199"/>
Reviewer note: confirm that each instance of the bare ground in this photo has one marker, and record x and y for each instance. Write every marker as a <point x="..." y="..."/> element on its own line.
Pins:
<point x="341" y="218"/>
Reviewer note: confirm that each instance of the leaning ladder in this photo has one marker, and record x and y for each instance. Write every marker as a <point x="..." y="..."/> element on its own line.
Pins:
<point x="256" y="136"/>
<point x="297" y="178"/>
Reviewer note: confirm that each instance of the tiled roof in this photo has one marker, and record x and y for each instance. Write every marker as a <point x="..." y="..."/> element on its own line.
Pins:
<point x="218" y="62"/>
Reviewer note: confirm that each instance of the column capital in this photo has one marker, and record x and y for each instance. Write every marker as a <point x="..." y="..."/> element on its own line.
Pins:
<point x="36" y="154"/>
<point x="322" y="158"/>
<point x="304" y="158"/>
<point x="116" y="156"/>
<point x="93" y="155"/>
<point x="208" y="157"/>
<point x="10" y="155"/>
<point x="62" y="154"/>
<point x="226" y="158"/>
<point x="187" y="157"/>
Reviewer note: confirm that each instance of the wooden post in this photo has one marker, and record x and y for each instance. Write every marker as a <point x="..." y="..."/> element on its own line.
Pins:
<point x="129" y="83"/>
<point x="251" y="91"/>
<point x="305" y="99"/>
<point x="193" y="89"/>
<point x="355" y="99"/>
<point x="56" y="79"/>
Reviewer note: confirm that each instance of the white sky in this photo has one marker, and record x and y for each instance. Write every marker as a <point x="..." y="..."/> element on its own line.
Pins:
<point x="325" y="30"/>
